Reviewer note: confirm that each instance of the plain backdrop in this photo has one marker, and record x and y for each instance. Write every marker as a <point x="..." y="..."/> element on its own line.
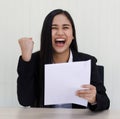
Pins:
<point x="98" y="33"/>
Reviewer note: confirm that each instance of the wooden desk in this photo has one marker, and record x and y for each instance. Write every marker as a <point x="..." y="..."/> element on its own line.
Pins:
<point x="45" y="113"/>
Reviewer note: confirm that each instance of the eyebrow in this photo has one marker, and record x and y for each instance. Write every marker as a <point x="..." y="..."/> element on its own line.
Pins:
<point x="63" y="25"/>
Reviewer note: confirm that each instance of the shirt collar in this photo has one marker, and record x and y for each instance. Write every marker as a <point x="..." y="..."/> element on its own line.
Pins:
<point x="71" y="57"/>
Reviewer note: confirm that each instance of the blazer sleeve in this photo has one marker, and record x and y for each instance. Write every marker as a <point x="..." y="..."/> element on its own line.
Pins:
<point x="25" y="82"/>
<point x="102" y="99"/>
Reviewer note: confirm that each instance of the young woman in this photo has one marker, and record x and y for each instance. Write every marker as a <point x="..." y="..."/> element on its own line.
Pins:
<point x="58" y="45"/>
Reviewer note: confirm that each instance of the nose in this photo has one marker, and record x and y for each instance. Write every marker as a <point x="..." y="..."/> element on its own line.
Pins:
<point x="60" y="32"/>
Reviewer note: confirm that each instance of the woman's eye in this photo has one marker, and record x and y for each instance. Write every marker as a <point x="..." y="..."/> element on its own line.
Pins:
<point x="65" y="27"/>
<point x="54" y="27"/>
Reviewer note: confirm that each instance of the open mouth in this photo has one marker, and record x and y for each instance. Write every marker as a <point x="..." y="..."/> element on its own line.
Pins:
<point x="60" y="42"/>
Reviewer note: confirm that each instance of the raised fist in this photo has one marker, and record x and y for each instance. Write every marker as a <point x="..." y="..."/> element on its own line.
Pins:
<point x="26" y="45"/>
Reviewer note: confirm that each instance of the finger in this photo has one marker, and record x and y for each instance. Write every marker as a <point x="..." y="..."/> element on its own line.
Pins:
<point x="86" y="91"/>
<point x="30" y="38"/>
<point x="88" y="86"/>
<point x="88" y="97"/>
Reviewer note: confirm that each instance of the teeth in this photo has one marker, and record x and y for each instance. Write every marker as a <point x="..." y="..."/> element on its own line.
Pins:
<point x="60" y="39"/>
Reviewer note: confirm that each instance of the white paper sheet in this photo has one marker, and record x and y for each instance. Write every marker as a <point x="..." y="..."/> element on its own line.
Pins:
<point x="63" y="80"/>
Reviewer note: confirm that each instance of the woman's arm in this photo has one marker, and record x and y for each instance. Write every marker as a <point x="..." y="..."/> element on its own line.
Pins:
<point x="102" y="100"/>
<point x="25" y="82"/>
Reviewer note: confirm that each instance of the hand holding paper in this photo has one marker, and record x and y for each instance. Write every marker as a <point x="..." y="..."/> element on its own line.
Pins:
<point x="88" y="93"/>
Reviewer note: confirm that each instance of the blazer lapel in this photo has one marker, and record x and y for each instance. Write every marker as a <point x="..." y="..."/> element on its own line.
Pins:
<point x="76" y="56"/>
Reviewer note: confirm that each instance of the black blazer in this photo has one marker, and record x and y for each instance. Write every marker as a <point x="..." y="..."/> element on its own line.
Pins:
<point x="30" y="82"/>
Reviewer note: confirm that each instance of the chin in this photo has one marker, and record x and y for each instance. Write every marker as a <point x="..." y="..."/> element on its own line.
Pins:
<point x="60" y="51"/>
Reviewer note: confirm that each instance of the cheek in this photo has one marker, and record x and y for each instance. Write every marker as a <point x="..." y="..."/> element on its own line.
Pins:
<point x="53" y="33"/>
<point x="71" y="36"/>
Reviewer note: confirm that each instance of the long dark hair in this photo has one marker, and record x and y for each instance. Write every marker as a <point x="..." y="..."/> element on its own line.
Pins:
<point x="46" y="50"/>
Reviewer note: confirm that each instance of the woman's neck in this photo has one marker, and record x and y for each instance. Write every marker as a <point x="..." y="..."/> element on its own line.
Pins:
<point x="61" y="57"/>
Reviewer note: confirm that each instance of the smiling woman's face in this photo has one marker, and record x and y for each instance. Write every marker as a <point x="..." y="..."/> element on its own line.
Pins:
<point x="62" y="34"/>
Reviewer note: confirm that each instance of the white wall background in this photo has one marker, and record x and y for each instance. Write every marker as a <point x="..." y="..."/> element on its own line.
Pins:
<point x="98" y="33"/>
